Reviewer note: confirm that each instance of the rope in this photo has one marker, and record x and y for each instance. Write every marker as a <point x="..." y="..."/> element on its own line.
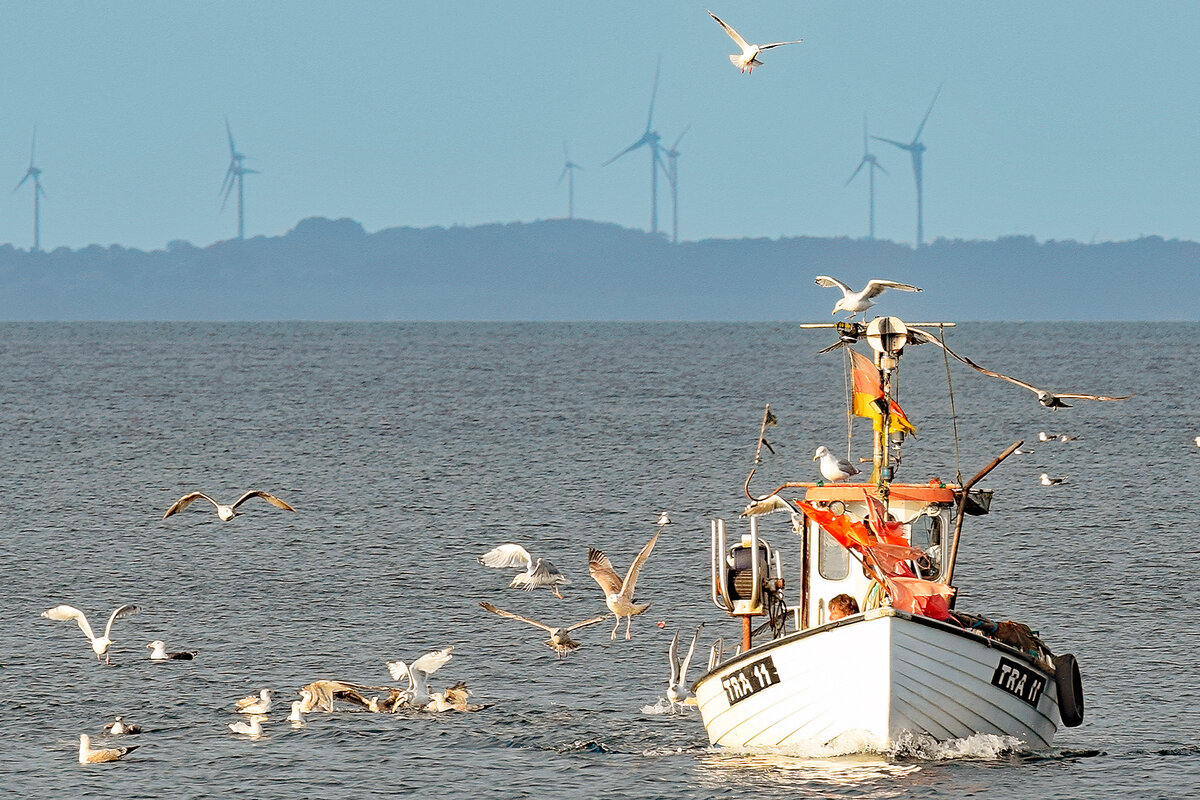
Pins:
<point x="953" y="413"/>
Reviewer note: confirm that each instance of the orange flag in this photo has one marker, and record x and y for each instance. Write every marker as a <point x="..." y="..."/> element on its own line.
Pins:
<point x="917" y="596"/>
<point x="850" y="534"/>
<point x="868" y="397"/>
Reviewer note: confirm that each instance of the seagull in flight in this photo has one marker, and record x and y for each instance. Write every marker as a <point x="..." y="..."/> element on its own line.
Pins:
<point x="100" y="755"/>
<point x="618" y="594"/>
<point x="560" y="640"/>
<point x="678" y="693"/>
<point x="747" y="60"/>
<point x="537" y="574"/>
<point x="100" y="644"/>
<point x="225" y="512"/>
<point x="832" y="467"/>
<point x="855" y="302"/>
<point x="418" y="672"/>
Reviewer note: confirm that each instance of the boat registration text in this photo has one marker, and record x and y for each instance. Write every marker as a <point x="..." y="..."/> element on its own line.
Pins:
<point x="752" y="678"/>
<point x="1019" y="680"/>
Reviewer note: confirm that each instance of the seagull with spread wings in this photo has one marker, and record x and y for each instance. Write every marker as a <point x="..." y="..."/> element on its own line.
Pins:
<point x="225" y="512"/>
<point x="618" y="594"/>
<point x="855" y="302"/>
<point x="538" y="574"/>
<point x="678" y="692"/>
<point x="417" y="674"/>
<point x="1046" y="398"/>
<point x="560" y="640"/>
<point x="100" y="644"/>
<point x="747" y="60"/>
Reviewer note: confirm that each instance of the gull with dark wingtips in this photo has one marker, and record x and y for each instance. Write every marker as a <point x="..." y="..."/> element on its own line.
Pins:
<point x="746" y="60"/>
<point x="225" y="512"/>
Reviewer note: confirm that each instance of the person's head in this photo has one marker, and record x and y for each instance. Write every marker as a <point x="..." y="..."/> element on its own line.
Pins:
<point x="842" y="606"/>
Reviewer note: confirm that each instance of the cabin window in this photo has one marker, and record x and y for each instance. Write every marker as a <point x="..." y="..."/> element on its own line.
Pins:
<point x="926" y="533"/>
<point x="833" y="560"/>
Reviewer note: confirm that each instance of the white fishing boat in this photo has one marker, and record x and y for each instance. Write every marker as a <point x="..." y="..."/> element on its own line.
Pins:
<point x="908" y="663"/>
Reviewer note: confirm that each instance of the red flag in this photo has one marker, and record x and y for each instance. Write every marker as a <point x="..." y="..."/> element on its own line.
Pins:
<point x="868" y="396"/>
<point x="850" y="534"/>
<point x="922" y="597"/>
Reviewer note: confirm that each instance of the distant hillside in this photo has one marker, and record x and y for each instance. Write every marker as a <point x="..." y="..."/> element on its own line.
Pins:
<point x="567" y="270"/>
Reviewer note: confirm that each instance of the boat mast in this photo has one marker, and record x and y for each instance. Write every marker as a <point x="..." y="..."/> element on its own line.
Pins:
<point x="887" y="337"/>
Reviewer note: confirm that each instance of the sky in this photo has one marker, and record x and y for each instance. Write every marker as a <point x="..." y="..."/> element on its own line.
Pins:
<point x="1064" y="120"/>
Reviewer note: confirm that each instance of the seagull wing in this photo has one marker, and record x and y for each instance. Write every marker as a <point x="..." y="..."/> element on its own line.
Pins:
<point x="587" y="622"/>
<point x="544" y="569"/>
<point x="632" y="575"/>
<point x="270" y="498"/>
<point x="399" y="671"/>
<point x="737" y="38"/>
<point x="832" y="283"/>
<point x="673" y="657"/>
<point x="506" y="555"/>
<point x="127" y="610"/>
<point x="63" y="613"/>
<point x="186" y="501"/>
<point x="1092" y="396"/>
<point x="766" y="506"/>
<point x="602" y="571"/>
<point x="777" y="44"/>
<point x="687" y="660"/>
<point x="928" y="337"/>
<point x="432" y="662"/>
<point x="875" y="287"/>
<point x="511" y="615"/>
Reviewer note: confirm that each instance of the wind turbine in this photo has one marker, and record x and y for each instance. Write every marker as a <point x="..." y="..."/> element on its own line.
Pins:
<point x="649" y="137"/>
<point x="869" y="159"/>
<point x="234" y="175"/>
<point x="672" y="170"/>
<point x="38" y="194"/>
<point x="568" y="172"/>
<point x="916" y="148"/>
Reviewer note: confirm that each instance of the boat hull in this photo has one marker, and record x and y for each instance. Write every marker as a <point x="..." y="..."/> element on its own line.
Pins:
<point x="875" y="677"/>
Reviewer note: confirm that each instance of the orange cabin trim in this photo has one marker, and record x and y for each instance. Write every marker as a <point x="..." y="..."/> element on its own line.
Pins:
<point x="849" y="492"/>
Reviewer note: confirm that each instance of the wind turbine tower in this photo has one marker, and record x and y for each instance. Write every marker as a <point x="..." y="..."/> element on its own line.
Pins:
<point x="568" y="172"/>
<point x="38" y="193"/>
<point x="916" y="149"/>
<point x="651" y="138"/>
<point x="872" y="163"/>
<point x="672" y="170"/>
<point x="234" y="176"/>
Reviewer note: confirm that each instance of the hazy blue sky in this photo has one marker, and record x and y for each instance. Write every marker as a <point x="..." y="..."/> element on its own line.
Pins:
<point x="1064" y="120"/>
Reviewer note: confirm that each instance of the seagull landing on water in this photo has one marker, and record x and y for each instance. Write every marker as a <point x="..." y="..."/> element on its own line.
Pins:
<point x="417" y="674"/>
<point x="119" y="727"/>
<point x="158" y="652"/>
<point x="89" y="756"/>
<point x="747" y="60"/>
<point x="1048" y="481"/>
<point x="225" y="512"/>
<point x="256" y="703"/>
<point x="100" y="644"/>
<point x="678" y="693"/>
<point x="560" y="640"/>
<point x="855" y="302"/>
<point x="618" y="594"/>
<point x="832" y="467"/>
<point x="537" y="575"/>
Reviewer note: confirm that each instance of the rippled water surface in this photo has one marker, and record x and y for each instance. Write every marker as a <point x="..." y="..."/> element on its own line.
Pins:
<point x="408" y="450"/>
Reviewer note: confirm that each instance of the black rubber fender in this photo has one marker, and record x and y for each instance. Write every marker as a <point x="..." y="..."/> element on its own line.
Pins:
<point x="1070" y="689"/>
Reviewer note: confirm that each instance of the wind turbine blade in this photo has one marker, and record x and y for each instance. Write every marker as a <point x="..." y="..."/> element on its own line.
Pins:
<point x="228" y="191"/>
<point x="22" y="182"/>
<point x="680" y="139"/>
<point x="250" y="172"/>
<point x="653" y="94"/>
<point x="864" y="133"/>
<point x="563" y="174"/>
<point x="228" y="180"/>
<point x="229" y="133"/>
<point x="633" y="146"/>
<point x="901" y="145"/>
<point x="33" y="146"/>
<point x="921" y="127"/>
<point x="856" y="171"/>
<point x="877" y="165"/>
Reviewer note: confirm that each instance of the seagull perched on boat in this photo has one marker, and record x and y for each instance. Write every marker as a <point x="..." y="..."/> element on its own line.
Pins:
<point x="832" y="467"/>
<point x="747" y="60"/>
<point x="100" y="644"/>
<point x="678" y="691"/>
<point x="225" y="512"/>
<point x="158" y="652"/>
<point x="89" y="756"/>
<point x="618" y="594"/>
<point x="855" y="302"/>
<point x="252" y="729"/>
<point x="1048" y="481"/>
<point x="418" y="672"/>
<point x="538" y="574"/>
<point x="560" y="640"/>
<point x="119" y="727"/>
<point x="256" y="703"/>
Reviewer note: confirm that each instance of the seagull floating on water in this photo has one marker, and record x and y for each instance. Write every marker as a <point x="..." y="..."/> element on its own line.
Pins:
<point x="560" y="640"/>
<point x="418" y="672"/>
<point x="665" y="519"/>
<point x="158" y="652"/>
<point x="253" y="728"/>
<point x="537" y="575"/>
<point x="1048" y="481"/>
<point x="747" y="60"/>
<point x="100" y="644"/>
<point x="119" y="727"/>
<point x="618" y="594"/>
<point x="832" y="467"/>
<point x="678" y="691"/>
<point x="89" y="756"/>
<point x="225" y="512"/>
<point x="297" y="715"/>
<point x="855" y="302"/>
<point x="256" y="703"/>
